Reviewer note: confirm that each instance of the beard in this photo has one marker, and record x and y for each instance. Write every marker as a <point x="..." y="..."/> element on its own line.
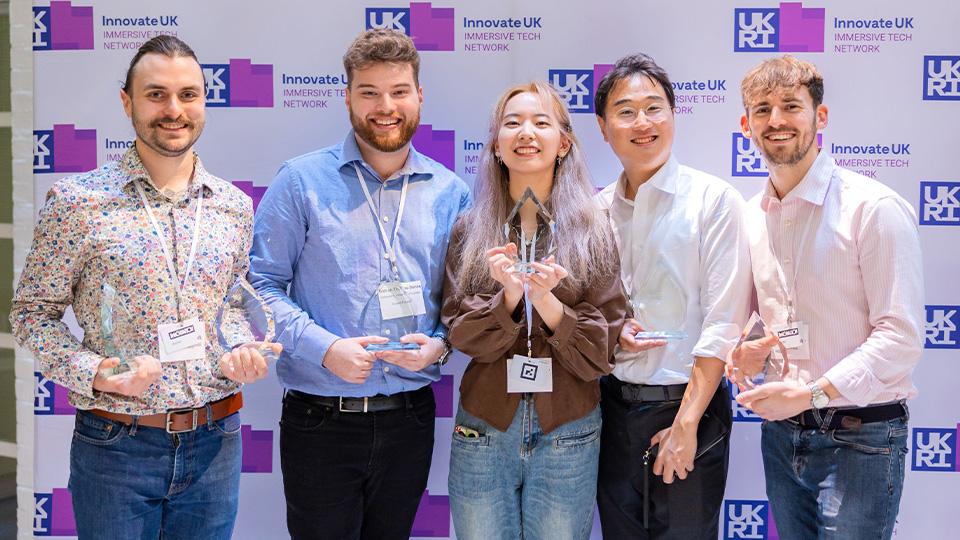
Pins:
<point x="386" y="143"/>
<point x="786" y="155"/>
<point x="148" y="132"/>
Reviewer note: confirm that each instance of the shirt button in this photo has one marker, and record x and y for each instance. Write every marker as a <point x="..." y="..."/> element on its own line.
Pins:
<point x="386" y="255"/>
<point x="386" y="331"/>
<point x="386" y="369"/>
<point x="788" y="260"/>
<point x="386" y="218"/>
<point x="788" y="222"/>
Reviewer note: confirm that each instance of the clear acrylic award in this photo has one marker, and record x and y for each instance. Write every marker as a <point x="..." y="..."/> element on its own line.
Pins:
<point x="753" y="330"/>
<point x="120" y="336"/>
<point x="244" y="318"/>
<point x="399" y="305"/>
<point x="527" y="246"/>
<point x="660" y="304"/>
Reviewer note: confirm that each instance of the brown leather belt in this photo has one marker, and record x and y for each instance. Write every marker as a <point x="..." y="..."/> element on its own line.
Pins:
<point x="180" y="420"/>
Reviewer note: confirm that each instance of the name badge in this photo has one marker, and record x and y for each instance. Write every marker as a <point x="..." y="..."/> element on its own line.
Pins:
<point x="529" y="374"/>
<point x="795" y="337"/>
<point x="184" y="340"/>
<point x="401" y="299"/>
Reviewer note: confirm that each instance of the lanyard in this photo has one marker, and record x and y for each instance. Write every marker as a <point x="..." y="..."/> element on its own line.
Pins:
<point x="790" y="286"/>
<point x="527" y="306"/>
<point x="389" y="244"/>
<point x="163" y="243"/>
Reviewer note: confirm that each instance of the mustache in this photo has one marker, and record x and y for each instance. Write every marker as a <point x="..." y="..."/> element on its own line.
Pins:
<point x="181" y="120"/>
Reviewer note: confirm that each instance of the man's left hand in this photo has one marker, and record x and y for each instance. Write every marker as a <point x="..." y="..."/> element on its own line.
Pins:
<point x="776" y="400"/>
<point x="678" y="446"/>
<point x="429" y="352"/>
<point x="248" y="363"/>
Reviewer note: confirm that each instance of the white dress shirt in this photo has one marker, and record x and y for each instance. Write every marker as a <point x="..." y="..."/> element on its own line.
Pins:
<point x="687" y="224"/>
<point x="848" y="251"/>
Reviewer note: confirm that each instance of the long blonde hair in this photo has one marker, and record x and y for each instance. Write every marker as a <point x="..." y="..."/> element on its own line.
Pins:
<point x="583" y="240"/>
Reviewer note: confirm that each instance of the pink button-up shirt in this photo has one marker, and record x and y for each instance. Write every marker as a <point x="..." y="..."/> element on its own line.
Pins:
<point x="849" y="250"/>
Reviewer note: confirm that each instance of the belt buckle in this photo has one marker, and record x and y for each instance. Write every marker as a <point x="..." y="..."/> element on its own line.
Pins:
<point x="169" y="421"/>
<point x="366" y="402"/>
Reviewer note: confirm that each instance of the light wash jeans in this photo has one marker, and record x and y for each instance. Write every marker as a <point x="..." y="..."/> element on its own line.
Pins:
<point x="834" y="484"/>
<point x="524" y="483"/>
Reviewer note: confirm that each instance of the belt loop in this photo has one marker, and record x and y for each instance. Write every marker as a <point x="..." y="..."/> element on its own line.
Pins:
<point x="133" y="425"/>
<point x="209" y="409"/>
<point x="906" y="410"/>
<point x="825" y="425"/>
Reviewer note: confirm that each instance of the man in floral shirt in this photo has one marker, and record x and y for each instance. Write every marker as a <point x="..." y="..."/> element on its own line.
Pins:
<point x="156" y="451"/>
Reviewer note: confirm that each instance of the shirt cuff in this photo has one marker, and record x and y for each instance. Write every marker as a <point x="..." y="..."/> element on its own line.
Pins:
<point x="314" y="343"/>
<point x="503" y="316"/>
<point x="86" y="363"/>
<point x="716" y="341"/>
<point x="568" y="323"/>
<point x="854" y="381"/>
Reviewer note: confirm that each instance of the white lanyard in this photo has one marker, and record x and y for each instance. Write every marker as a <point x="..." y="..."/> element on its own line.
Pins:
<point x="163" y="243"/>
<point x="527" y="306"/>
<point x="790" y="286"/>
<point x="389" y="244"/>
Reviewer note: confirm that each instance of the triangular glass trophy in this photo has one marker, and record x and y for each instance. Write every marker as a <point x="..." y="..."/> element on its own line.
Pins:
<point x="120" y="336"/>
<point x="660" y="304"/>
<point x="244" y="318"/>
<point x="756" y="329"/>
<point x="527" y="246"/>
<point x="399" y="304"/>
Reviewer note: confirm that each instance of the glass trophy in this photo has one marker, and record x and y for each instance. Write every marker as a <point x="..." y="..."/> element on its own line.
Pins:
<point x="660" y="304"/>
<point x="120" y="336"/>
<point x="756" y="329"/>
<point x="244" y="318"/>
<point x="399" y="304"/>
<point x="527" y="247"/>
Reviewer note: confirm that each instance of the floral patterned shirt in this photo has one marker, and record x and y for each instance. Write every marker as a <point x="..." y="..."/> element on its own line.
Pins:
<point x="93" y="229"/>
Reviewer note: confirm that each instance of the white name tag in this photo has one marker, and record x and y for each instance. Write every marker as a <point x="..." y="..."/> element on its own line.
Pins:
<point x="529" y="374"/>
<point x="401" y="299"/>
<point x="182" y="341"/>
<point x="795" y="337"/>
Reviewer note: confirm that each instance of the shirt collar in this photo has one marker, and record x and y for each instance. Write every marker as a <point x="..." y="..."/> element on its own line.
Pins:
<point x="812" y="188"/>
<point x="350" y="153"/>
<point x="133" y="166"/>
<point x="665" y="179"/>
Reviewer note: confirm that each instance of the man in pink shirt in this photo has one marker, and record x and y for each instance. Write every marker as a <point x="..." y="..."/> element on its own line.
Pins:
<point x="837" y="270"/>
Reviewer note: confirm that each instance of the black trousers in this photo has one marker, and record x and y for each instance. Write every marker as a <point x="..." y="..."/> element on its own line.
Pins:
<point x="686" y="509"/>
<point x="354" y="475"/>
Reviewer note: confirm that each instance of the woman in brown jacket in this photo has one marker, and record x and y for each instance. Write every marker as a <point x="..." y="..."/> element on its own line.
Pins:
<point x="526" y="442"/>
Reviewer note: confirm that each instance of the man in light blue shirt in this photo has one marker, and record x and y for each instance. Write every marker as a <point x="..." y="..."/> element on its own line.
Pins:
<point x="349" y="246"/>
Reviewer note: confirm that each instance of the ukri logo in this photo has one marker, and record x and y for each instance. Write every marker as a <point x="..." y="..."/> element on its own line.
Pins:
<point x="239" y="83"/>
<point x="935" y="449"/>
<point x="748" y="519"/>
<point x="941" y="78"/>
<point x="789" y="28"/>
<point x="64" y="149"/>
<point x="940" y="203"/>
<point x="940" y="329"/>
<point x="578" y="86"/>
<point x="61" y="26"/>
<point x="49" y="397"/>
<point x="746" y="158"/>
<point x="53" y="514"/>
<point x="430" y="28"/>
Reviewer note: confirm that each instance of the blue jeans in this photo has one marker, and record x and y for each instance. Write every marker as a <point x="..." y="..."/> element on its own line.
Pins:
<point x="834" y="484"/>
<point x="135" y="482"/>
<point x="524" y="483"/>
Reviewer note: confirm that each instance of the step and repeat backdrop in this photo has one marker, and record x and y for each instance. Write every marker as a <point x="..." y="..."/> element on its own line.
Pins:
<point x="276" y="90"/>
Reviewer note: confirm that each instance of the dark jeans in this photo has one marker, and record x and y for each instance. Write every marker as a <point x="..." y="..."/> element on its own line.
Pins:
<point x="686" y="509"/>
<point x="353" y="475"/>
<point x="141" y="482"/>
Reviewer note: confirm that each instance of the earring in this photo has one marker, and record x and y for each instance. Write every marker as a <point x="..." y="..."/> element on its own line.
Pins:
<point x="499" y="157"/>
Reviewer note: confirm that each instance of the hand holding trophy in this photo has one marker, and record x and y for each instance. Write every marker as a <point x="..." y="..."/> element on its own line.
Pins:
<point x="245" y="330"/>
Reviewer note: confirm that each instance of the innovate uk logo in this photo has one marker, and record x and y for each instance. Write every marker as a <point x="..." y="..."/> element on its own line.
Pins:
<point x="578" y="86"/>
<point x="64" y="149"/>
<point x="240" y="83"/>
<point x="748" y="519"/>
<point x="789" y="28"/>
<point x="439" y="144"/>
<point x="940" y="329"/>
<point x="53" y="514"/>
<point x="49" y="397"/>
<point x="430" y="28"/>
<point x="941" y="78"/>
<point x="940" y="203"/>
<point x="61" y="26"/>
<point x="935" y="449"/>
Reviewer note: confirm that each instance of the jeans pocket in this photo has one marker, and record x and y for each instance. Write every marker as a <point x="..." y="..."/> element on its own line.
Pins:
<point x="424" y="412"/>
<point x="97" y="431"/>
<point x="301" y="416"/>
<point x="872" y="438"/>
<point x="573" y="440"/>
<point x="229" y="425"/>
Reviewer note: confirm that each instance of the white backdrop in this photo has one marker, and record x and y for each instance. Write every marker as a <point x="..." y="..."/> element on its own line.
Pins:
<point x="892" y="72"/>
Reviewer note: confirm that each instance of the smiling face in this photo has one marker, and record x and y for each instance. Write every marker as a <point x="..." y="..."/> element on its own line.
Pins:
<point x="638" y="123"/>
<point x="529" y="138"/>
<point x="384" y="102"/>
<point x="166" y="104"/>
<point x="783" y="123"/>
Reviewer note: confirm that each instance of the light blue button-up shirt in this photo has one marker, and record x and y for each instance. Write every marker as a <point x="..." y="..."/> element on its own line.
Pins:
<point x="315" y="233"/>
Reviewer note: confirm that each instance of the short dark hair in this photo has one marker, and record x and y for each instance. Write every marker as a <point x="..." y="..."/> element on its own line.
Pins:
<point x="626" y="67"/>
<point x="169" y="46"/>
<point x="378" y="46"/>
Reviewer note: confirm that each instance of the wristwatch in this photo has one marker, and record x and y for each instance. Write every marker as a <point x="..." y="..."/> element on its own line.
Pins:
<point x="818" y="398"/>
<point x="447" y="350"/>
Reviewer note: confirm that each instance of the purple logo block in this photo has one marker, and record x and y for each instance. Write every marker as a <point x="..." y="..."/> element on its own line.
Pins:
<point x="801" y="29"/>
<point x="251" y="85"/>
<point x="433" y="517"/>
<point x="64" y="149"/>
<point x="443" y="395"/>
<point x="62" y="27"/>
<point x="49" y="397"/>
<point x="254" y="192"/>
<point x="257" y="450"/>
<point x="53" y="514"/>
<point x="431" y="29"/>
<point x="599" y="70"/>
<point x="439" y="144"/>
